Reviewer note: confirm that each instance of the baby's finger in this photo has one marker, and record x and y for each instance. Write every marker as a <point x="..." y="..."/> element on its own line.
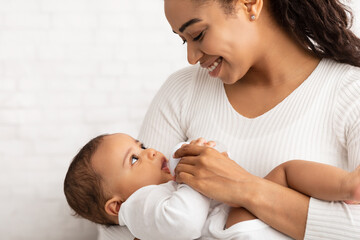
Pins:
<point x="210" y="144"/>
<point x="193" y="142"/>
<point x="225" y="154"/>
<point x="199" y="142"/>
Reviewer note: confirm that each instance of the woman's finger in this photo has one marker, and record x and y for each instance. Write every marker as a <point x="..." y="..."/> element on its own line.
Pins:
<point x="188" y="150"/>
<point x="185" y="168"/>
<point x="189" y="160"/>
<point x="184" y="177"/>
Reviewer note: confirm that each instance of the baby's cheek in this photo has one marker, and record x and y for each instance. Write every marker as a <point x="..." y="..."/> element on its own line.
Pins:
<point x="167" y="178"/>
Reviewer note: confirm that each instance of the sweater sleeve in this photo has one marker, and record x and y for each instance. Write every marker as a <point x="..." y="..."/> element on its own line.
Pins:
<point x="166" y="211"/>
<point x="164" y="123"/>
<point x="337" y="220"/>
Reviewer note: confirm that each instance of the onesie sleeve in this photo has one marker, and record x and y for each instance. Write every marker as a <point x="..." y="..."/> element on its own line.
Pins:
<point x="164" y="123"/>
<point x="166" y="211"/>
<point x="337" y="220"/>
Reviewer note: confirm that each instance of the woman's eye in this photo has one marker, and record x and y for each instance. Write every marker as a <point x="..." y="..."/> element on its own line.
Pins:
<point x="198" y="37"/>
<point x="134" y="159"/>
<point x="184" y="41"/>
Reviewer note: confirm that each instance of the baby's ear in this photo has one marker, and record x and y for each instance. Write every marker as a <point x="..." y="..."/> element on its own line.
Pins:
<point x="112" y="206"/>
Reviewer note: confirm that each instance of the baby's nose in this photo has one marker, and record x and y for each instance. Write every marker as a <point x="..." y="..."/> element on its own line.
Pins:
<point x="150" y="153"/>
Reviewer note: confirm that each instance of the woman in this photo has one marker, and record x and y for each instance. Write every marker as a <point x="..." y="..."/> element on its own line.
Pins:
<point x="278" y="80"/>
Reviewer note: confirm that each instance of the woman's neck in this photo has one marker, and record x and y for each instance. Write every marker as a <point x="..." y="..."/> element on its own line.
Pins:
<point x="281" y="59"/>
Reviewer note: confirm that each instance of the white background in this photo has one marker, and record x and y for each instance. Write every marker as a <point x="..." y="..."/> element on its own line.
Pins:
<point x="70" y="70"/>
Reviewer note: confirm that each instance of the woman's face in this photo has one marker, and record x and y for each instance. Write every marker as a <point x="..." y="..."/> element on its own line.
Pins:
<point x="225" y="44"/>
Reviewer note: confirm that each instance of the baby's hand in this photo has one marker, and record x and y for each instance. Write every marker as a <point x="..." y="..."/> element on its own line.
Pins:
<point x="203" y="142"/>
<point x="173" y="162"/>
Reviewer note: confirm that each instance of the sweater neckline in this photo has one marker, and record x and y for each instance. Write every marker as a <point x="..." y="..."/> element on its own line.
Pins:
<point x="302" y="88"/>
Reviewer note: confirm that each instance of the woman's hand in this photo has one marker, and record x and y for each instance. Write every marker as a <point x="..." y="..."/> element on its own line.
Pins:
<point x="213" y="174"/>
<point x="218" y="177"/>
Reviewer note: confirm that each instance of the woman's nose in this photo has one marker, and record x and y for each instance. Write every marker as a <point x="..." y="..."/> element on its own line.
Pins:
<point x="193" y="52"/>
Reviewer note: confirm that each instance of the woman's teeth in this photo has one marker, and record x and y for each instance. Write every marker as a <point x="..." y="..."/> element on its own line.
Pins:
<point x="214" y="65"/>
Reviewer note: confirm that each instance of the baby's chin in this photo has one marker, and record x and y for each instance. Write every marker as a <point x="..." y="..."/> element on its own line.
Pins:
<point x="168" y="177"/>
<point x="165" y="172"/>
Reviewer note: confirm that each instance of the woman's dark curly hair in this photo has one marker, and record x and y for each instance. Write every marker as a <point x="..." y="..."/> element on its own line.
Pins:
<point x="321" y="26"/>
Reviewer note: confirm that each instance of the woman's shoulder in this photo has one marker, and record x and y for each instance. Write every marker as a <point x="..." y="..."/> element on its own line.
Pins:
<point x="337" y="79"/>
<point x="185" y="80"/>
<point x="341" y="73"/>
<point x="351" y="76"/>
<point x="347" y="80"/>
<point x="347" y="104"/>
<point x="344" y="80"/>
<point x="178" y="87"/>
<point x="186" y="74"/>
<point x="178" y="82"/>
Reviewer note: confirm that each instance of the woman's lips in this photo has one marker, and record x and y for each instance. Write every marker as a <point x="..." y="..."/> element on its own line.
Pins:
<point x="214" y="69"/>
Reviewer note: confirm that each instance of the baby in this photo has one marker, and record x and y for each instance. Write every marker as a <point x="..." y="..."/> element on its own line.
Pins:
<point x="114" y="180"/>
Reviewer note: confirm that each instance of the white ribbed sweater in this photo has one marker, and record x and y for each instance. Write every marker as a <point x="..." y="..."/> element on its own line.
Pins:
<point x="319" y="121"/>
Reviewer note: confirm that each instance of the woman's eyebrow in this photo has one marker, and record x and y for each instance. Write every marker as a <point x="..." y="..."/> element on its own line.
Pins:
<point x="188" y="23"/>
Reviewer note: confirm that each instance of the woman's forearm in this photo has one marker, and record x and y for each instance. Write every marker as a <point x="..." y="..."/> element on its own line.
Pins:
<point x="282" y="208"/>
<point x="218" y="177"/>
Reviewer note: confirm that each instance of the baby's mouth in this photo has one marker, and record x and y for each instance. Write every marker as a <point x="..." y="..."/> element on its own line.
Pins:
<point x="164" y="166"/>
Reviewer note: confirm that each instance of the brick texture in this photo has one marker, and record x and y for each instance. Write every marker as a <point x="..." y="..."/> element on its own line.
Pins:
<point x="70" y="70"/>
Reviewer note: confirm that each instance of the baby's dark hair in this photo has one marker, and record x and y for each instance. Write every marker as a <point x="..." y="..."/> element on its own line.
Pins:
<point x="83" y="186"/>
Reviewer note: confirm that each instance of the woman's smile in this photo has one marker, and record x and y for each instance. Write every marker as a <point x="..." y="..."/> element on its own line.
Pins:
<point x="214" y="69"/>
<point x="213" y="66"/>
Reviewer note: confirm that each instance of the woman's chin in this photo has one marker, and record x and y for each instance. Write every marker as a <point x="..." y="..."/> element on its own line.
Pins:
<point x="228" y="81"/>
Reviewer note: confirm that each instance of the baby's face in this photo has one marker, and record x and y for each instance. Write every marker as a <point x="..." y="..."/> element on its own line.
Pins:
<point x="125" y="165"/>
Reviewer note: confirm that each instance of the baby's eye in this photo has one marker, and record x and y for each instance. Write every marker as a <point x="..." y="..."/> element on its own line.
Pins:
<point x="142" y="146"/>
<point x="134" y="159"/>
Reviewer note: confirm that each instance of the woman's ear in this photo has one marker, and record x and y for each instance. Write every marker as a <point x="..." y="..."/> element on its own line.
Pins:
<point x="253" y="8"/>
<point x="112" y="206"/>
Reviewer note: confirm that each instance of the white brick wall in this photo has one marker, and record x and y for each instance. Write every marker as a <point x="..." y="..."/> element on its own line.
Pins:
<point x="69" y="70"/>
